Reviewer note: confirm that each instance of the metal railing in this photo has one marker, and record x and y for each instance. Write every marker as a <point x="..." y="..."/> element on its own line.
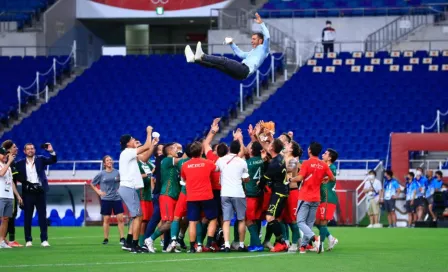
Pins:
<point x="399" y="28"/>
<point x="34" y="50"/>
<point x="436" y="124"/>
<point x="428" y="163"/>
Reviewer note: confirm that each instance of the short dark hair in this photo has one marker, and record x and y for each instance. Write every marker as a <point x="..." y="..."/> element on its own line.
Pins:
<point x="296" y="149"/>
<point x="315" y="148"/>
<point x="256" y="149"/>
<point x="411" y="174"/>
<point x="259" y="35"/>
<point x="196" y="149"/>
<point x="235" y="147"/>
<point x="188" y="150"/>
<point x="333" y="154"/>
<point x="165" y="148"/>
<point x="440" y="173"/>
<point x="222" y="150"/>
<point x="372" y="172"/>
<point x="277" y="145"/>
<point x="389" y="173"/>
<point x="27" y="144"/>
<point x="287" y="136"/>
<point x="7" y="144"/>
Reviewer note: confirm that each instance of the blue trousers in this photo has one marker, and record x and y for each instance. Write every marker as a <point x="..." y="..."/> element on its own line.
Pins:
<point x="39" y="200"/>
<point x="233" y="68"/>
<point x="155" y="219"/>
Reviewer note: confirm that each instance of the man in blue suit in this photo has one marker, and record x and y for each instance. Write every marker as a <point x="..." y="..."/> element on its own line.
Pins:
<point x="35" y="188"/>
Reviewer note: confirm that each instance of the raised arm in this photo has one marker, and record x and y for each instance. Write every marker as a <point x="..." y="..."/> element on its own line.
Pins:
<point x="148" y="142"/>
<point x="214" y="128"/>
<point x="264" y="31"/>
<point x="238" y="136"/>
<point x="147" y="154"/>
<point x="52" y="159"/>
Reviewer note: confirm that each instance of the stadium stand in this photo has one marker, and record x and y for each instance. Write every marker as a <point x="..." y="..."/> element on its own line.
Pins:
<point x="365" y="7"/>
<point x="22" y="11"/>
<point x="335" y="100"/>
<point x="86" y="120"/>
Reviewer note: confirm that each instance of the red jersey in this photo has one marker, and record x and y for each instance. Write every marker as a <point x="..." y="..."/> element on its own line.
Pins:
<point x="216" y="185"/>
<point x="196" y="173"/>
<point x="313" y="172"/>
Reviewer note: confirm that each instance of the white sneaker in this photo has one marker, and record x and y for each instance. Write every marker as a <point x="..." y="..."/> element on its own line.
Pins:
<point x="3" y="244"/>
<point x="171" y="247"/>
<point x="332" y="243"/>
<point x="189" y="55"/>
<point x="45" y="244"/>
<point x="199" y="249"/>
<point x="150" y="245"/>
<point x="162" y="243"/>
<point x="29" y="244"/>
<point x="378" y="226"/>
<point x="235" y="245"/>
<point x="199" y="52"/>
<point x="370" y="226"/>
<point x="293" y="248"/>
<point x="268" y="245"/>
<point x="317" y="244"/>
<point x="287" y="243"/>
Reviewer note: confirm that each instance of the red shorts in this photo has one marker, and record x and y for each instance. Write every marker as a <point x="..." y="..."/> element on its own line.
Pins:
<point x="266" y="199"/>
<point x="289" y="214"/>
<point x="147" y="209"/>
<point x="325" y="211"/>
<point x="167" y="206"/>
<point x="181" y="206"/>
<point x="253" y="208"/>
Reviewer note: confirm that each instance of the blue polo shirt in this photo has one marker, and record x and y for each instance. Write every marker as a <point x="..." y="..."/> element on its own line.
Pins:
<point x="421" y="186"/>
<point x="433" y="185"/>
<point x="411" y="187"/>
<point x="390" y="188"/>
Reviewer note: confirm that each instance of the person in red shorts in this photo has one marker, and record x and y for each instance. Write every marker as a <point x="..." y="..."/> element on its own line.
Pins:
<point x="196" y="174"/>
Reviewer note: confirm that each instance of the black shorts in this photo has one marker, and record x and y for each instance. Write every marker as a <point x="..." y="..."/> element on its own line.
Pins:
<point x="430" y="200"/>
<point x="389" y="205"/>
<point x="194" y="209"/>
<point x="217" y="198"/>
<point x="409" y="208"/>
<point x="109" y="206"/>
<point x="420" y="202"/>
<point x="276" y="204"/>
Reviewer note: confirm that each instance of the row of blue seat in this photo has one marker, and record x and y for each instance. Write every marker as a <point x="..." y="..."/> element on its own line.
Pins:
<point x="69" y="220"/>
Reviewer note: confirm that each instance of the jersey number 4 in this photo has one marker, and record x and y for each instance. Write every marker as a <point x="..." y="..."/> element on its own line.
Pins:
<point x="257" y="174"/>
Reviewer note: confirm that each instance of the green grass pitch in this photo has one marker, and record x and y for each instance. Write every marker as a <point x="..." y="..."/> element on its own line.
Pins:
<point x="359" y="249"/>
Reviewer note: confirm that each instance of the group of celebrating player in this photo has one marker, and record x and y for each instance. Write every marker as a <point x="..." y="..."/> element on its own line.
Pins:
<point x="203" y="188"/>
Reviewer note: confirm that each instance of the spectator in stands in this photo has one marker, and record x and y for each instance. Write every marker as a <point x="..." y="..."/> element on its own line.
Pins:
<point x="109" y="181"/>
<point x="35" y="188"/>
<point x="419" y="195"/>
<point x="7" y="190"/>
<point x="373" y="188"/>
<point x="328" y="37"/>
<point x="11" y="147"/>
<point x="410" y="192"/>
<point x="434" y="185"/>
<point x="391" y="190"/>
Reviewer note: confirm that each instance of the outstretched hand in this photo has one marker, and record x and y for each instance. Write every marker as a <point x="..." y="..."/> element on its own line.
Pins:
<point x="258" y="18"/>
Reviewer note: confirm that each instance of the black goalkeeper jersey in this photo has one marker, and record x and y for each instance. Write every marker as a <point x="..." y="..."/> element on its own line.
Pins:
<point x="275" y="175"/>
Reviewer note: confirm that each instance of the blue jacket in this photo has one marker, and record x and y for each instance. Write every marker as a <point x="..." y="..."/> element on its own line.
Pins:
<point x="41" y="164"/>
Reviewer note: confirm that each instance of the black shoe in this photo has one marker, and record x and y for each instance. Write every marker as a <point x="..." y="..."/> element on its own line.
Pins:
<point x="105" y="241"/>
<point x="122" y="241"/>
<point x="227" y="249"/>
<point x="136" y="250"/>
<point x="181" y="243"/>
<point x="143" y="249"/>
<point x="192" y="250"/>
<point x="126" y="247"/>
<point x="242" y="249"/>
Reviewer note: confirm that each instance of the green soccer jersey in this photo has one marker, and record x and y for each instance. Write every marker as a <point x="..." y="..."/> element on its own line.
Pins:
<point x="328" y="190"/>
<point x="179" y="168"/>
<point x="145" y="192"/>
<point x="170" y="178"/>
<point x="255" y="167"/>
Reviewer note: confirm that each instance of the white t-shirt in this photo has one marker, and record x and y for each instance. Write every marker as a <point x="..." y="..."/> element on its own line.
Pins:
<point x="128" y="167"/>
<point x="6" y="190"/>
<point x="377" y="187"/>
<point x="232" y="169"/>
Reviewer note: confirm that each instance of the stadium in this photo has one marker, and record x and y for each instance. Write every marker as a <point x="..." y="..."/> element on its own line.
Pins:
<point x="245" y="132"/>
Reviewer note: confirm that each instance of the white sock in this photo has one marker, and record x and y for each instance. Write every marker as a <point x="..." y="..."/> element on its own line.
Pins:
<point x="330" y="237"/>
<point x="226" y="244"/>
<point x="241" y="244"/>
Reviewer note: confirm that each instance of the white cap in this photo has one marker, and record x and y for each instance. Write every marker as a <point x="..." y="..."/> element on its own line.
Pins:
<point x="155" y="134"/>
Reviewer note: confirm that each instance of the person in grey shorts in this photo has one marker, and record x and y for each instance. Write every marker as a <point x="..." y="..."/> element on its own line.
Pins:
<point x="233" y="199"/>
<point x="7" y="192"/>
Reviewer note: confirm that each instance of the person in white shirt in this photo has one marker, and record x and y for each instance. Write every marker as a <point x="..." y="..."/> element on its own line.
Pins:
<point x="372" y="188"/>
<point x="131" y="180"/>
<point x="234" y="172"/>
<point x="7" y="192"/>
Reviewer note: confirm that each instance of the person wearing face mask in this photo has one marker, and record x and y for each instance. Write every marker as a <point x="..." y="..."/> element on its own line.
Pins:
<point x="328" y="37"/>
<point x="434" y="185"/>
<point x="388" y="196"/>
<point x="410" y="188"/>
<point x="373" y="188"/>
<point x="419" y="194"/>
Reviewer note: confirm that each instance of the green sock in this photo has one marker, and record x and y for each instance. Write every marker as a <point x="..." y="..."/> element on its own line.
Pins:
<point x="318" y="227"/>
<point x="199" y="232"/>
<point x="156" y="235"/>
<point x="236" y="234"/>
<point x="141" y="240"/>
<point x="258" y="226"/>
<point x="295" y="233"/>
<point x="175" y="227"/>
<point x="323" y="233"/>
<point x="254" y="239"/>
<point x="285" y="231"/>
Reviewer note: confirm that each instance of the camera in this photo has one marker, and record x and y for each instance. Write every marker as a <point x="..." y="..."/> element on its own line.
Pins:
<point x="44" y="146"/>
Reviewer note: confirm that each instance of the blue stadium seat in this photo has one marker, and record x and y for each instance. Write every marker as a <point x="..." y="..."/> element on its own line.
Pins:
<point x="21" y="219"/>
<point x="54" y="218"/>
<point x="69" y="219"/>
<point x="80" y="219"/>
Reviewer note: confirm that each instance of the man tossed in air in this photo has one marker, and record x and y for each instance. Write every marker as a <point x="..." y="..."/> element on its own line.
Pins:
<point x="252" y="60"/>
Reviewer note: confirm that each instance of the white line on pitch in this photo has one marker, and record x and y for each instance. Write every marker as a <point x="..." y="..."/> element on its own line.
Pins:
<point x="144" y="262"/>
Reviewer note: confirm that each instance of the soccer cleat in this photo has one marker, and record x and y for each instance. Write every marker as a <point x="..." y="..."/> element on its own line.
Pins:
<point x="105" y="241"/>
<point x="189" y="55"/>
<point x="332" y="243"/>
<point x="227" y="249"/>
<point x="317" y="244"/>
<point x="162" y="243"/>
<point x="199" y="249"/>
<point x="45" y="244"/>
<point x="199" y="52"/>
<point x="3" y="244"/>
<point x="122" y="241"/>
<point x="29" y="244"/>
<point x="242" y="249"/>
<point x="302" y="250"/>
<point x="293" y="248"/>
<point x="126" y="247"/>
<point x="287" y="243"/>
<point x="150" y="245"/>
<point x="192" y="250"/>
<point x="171" y="247"/>
<point x="310" y="248"/>
<point x="14" y="244"/>
<point x="235" y="245"/>
<point x="143" y="249"/>
<point x="370" y="226"/>
<point x="136" y="250"/>
<point x="181" y="243"/>
<point x="253" y="248"/>
<point x="320" y="248"/>
<point x="268" y="245"/>
<point x="279" y="247"/>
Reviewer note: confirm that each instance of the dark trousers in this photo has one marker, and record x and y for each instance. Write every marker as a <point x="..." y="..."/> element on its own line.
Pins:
<point x="38" y="200"/>
<point x="155" y="219"/>
<point x="12" y="222"/>
<point x="235" y="69"/>
<point x="328" y="47"/>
